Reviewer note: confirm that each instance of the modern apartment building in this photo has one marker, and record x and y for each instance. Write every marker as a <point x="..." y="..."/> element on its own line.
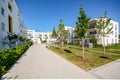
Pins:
<point x="112" y="38"/>
<point x="38" y="37"/>
<point x="109" y="39"/>
<point x="71" y="33"/>
<point x="45" y="36"/>
<point x="33" y="36"/>
<point x="10" y="20"/>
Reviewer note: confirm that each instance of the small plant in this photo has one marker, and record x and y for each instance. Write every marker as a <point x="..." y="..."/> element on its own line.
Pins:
<point x="9" y="57"/>
<point x="22" y="38"/>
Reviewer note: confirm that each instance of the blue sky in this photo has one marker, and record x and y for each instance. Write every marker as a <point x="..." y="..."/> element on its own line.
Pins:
<point x="43" y="15"/>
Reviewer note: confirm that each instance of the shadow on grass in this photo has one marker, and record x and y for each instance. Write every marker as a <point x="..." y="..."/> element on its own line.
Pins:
<point x="104" y="56"/>
<point x="86" y="59"/>
<point x="68" y="51"/>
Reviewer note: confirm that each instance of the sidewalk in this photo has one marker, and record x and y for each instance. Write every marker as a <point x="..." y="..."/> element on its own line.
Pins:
<point x="39" y="62"/>
<point x="108" y="71"/>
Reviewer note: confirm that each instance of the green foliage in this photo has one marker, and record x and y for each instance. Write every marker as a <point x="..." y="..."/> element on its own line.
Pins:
<point x="61" y="30"/>
<point x="102" y="26"/>
<point x="103" y="29"/>
<point x="62" y="33"/>
<point x="94" y="41"/>
<point x="22" y="38"/>
<point x="9" y="57"/>
<point x="12" y="36"/>
<point x="82" y="25"/>
<point x="97" y="46"/>
<point x="54" y="33"/>
<point x="73" y="54"/>
<point x="114" y="46"/>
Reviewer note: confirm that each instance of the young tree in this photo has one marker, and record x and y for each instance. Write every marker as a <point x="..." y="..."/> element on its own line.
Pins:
<point x="103" y="29"/>
<point x="54" y="33"/>
<point x="61" y="32"/>
<point x="82" y="27"/>
<point x="66" y="36"/>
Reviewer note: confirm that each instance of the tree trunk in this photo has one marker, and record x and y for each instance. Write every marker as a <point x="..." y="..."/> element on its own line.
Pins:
<point x="104" y="44"/>
<point x="83" y="54"/>
<point x="67" y="44"/>
<point x="62" y="44"/>
<point x="79" y="42"/>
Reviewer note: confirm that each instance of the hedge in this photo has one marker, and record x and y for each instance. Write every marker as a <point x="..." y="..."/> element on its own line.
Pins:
<point x="10" y="56"/>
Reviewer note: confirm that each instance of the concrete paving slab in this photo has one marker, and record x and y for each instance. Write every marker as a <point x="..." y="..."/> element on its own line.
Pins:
<point x="39" y="62"/>
<point x="108" y="71"/>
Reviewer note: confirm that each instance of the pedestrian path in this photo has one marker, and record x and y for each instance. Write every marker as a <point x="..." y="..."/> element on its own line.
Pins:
<point x="108" y="71"/>
<point x="39" y="62"/>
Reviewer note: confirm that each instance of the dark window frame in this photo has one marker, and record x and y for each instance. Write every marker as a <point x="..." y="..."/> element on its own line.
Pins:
<point x="10" y="7"/>
<point x="3" y="26"/>
<point x="2" y="11"/>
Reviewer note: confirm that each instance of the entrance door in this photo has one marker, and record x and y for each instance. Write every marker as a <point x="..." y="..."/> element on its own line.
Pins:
<point x="10" y="24"/>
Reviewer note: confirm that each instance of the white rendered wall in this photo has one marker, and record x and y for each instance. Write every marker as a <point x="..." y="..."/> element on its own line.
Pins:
<point x="17" y="23"/>
<point x="112" y="38"/>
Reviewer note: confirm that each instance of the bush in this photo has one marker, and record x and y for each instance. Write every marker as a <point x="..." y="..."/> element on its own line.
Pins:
<point x="10" y="56"/>
<point x="97" y="46"/>
<point x="114" y="46"/>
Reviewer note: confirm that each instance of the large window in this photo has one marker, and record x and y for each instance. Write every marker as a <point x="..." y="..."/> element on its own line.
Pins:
<point x="2" y="26"/>
<point x="112" y="40"/>
<point x="107" y="41"/>
<point x="3" y="0"/>
<point x="9" y="6"/>
<point x="115" y="26"/>
<point x="2" y="11"/>
<point x="115" y="34"/>
<point x="115" y="40"/>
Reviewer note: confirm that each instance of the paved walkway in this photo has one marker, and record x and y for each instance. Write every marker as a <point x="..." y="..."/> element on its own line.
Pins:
<point x="108" y="71"/>
<point x="39" y="62"/>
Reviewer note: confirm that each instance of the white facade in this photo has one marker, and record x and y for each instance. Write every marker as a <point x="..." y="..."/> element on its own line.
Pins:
<point x="71" y="33"/>
<point x="10" y="19"/>
<point x="33" y="36"/>
<point x="111" y="38"/>
<point x="45" y="36"/>
<point x="39" y="37"/>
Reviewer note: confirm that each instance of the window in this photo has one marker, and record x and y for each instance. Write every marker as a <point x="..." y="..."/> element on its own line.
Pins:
<point x="107" y="41"/>
<point x="2" y="26"/>
<point x="115" y="26"/>
<point x="115" y="40"/>
<point x="2" y="11"/>
<point x="18" y="14"/>
<point x="3" y="0"/>
<point x="115" y="34"/>
<point x="95" y="32"/>
<point x="112" y="40"/>
<point x="10" y="7"/>
<point x="112" y="33"/>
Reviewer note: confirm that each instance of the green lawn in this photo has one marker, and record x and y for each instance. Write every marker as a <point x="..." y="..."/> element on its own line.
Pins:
<point x="73" y="54"/>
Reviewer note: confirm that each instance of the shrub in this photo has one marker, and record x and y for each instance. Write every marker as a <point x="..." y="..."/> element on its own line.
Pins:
<point x="9" y="57"/>
<point x="97" y="46"/>
<point x="115" y="46"/>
